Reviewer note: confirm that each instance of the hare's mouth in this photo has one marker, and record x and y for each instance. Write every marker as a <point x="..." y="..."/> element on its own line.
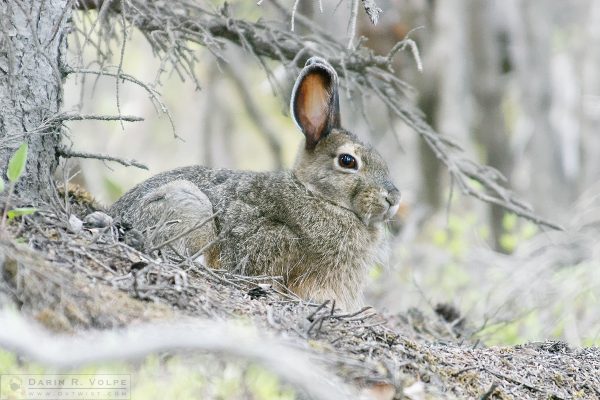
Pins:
<point x="380" y="214"/>
<point x="391" y="211"/>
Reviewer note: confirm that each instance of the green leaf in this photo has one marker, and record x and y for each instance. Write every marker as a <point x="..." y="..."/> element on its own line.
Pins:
<point x="509" y="222"/>
<point x="16" y="164"/>
<point x="19" y="212"/>
<point x="508" y="242"/>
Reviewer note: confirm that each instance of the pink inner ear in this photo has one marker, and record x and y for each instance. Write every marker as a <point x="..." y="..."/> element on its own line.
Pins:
<point x="312" y="106"/>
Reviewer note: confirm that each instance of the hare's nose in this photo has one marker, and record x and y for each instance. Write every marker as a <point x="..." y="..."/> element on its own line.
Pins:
<point x="393" y="200"/>
<point x="393" y="197"/>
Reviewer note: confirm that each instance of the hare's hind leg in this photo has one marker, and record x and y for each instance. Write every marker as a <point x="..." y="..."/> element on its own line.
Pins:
<point x="175" y="218"/>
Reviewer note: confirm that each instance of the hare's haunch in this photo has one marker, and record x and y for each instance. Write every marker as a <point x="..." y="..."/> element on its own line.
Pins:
<point x="318" y="225"/>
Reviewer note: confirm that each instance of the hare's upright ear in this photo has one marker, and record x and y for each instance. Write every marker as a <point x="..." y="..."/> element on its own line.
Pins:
<point x="314" y="104"/>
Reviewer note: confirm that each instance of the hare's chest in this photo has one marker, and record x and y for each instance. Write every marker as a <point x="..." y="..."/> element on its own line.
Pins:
<point x="289" y="236"/>
<point x="338" y="237"/>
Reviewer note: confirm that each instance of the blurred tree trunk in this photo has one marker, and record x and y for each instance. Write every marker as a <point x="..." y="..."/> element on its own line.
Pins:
<point x="488" y="44"/>
<point x="429" y="89"/>
<point x="32" y="65"/>
<point x="307" y="9"/>
<point x="590" y="56"/>
<point x="532" y="33"/>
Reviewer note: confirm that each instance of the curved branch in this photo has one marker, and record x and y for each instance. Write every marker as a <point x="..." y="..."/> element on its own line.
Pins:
<point x="295" y="367"/>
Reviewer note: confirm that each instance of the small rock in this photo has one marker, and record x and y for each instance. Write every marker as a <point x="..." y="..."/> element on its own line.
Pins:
<point x="97" y="219"/>
<point x="75" y="224"/>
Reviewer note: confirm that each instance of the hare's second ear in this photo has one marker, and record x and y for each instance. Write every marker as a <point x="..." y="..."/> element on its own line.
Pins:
<point x="315" y="105"/>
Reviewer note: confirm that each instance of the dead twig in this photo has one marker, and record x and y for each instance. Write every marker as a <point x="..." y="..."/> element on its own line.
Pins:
<point x="152" y="93"/>
<point x="352" y="24"/>
<point x="185" y="233"/>
<point x="64" y="152"/>
<point x="82" y="117"/>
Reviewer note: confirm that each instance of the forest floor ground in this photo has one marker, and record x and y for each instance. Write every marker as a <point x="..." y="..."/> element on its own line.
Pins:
<point x="80" y="281"/>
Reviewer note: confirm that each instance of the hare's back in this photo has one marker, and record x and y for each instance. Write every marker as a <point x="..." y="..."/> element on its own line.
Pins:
<point x="220" y="185"/>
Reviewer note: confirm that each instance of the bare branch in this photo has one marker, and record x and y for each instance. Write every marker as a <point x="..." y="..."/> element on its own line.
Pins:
<point x="120" y="67"/>
<point x="82" y="117"/>
<point x="184" y="233"/>
<point x="352" y="24"/>
<point x="294" y="9"/>
<point x="23" y="337"/>
<point x="48" y="125"/>
<point x="152" y="93"/>
<point x="303" y="20"/>
<point x="408" y="42"/>
<point x="64" y="152"/>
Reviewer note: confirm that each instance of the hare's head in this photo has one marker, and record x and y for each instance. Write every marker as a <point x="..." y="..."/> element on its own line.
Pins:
<point x="334" y="163"/>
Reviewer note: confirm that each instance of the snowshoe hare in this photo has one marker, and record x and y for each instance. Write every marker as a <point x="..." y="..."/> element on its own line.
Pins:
<point x="318" y="226"/>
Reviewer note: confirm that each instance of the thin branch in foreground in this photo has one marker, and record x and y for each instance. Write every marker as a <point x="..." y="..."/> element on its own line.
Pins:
<point x="66" y="153"/>
<point x="23" y="337"/>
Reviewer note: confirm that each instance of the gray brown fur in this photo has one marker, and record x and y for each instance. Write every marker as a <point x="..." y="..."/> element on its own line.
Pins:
<point x="318" y="225"/>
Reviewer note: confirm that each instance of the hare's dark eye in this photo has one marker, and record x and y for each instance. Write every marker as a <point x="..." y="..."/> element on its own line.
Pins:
<point x="347" y="161"/>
